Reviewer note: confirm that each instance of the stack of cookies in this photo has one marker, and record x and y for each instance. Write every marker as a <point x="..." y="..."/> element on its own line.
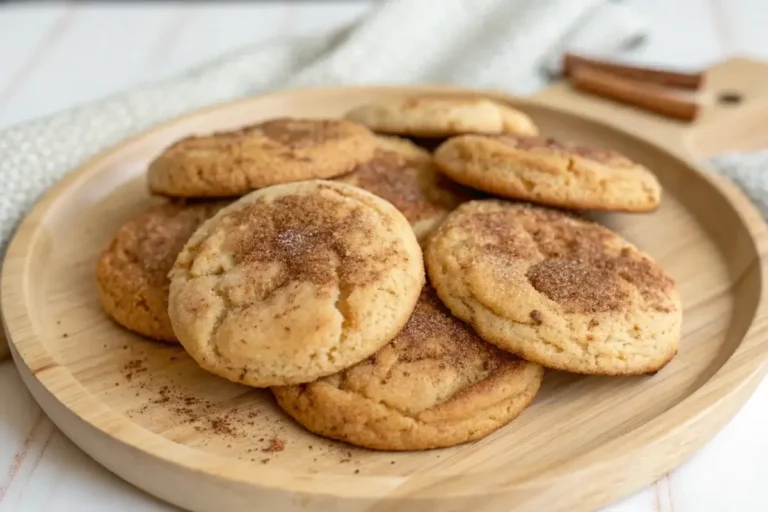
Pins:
<point x="391" y="297"/>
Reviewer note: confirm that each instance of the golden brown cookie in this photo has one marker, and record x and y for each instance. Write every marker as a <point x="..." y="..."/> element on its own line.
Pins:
<point x="132" y="272"/>
<point x="436" y="384"/>
<point x="442" y="116"/>
<point x="555" y="288"/>
<point x="282" y="150"/>
<point x="403" y="174"/>
<point x="295" y="282"/>
<point x="403" y="147"/>
<point x="549" y="172"/>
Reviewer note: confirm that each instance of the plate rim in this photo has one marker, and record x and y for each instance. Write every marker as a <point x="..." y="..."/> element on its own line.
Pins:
<point x="712" y="396"/>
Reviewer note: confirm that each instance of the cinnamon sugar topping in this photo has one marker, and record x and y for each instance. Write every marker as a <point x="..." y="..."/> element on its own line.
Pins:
<point x="300" y="134"/>
<point x="435" y="352"/>
<point x="578" y="263"/>
<point x="579" y="287"/>
<point x="412" y="187"/>
<point x="549" y="144"/>
<point x="496" y="228"/>
<point x="434" y="333"/>
<point x="152" y="240"/>
<point x="310" y="238"/>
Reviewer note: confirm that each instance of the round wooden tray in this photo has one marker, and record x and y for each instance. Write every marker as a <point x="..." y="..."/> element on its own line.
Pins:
<point x="150" y="415"/>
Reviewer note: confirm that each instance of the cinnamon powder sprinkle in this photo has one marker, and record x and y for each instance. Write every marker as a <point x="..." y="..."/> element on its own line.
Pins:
<point x="299" y="133"/>
<point x="577" y="286"/>
<point x="131" y="368"/>
<point x="575" y="262"/>
<point x="537" y="143"/>
<point x="497" y="228"/>
<point x="414" y="188"/>
<point x="434" y="335"/>
<point x="275" y="445"/>
<point x="310" y="238"/>
<point x="431" y="320"/>
<point x="203" y="416"/>
<point x="222" y="426"/>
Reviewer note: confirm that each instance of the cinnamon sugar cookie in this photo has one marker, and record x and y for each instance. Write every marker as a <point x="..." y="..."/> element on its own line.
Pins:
<point x="278" y="151"/>
<point x="132" y="272"/>
<point x="436" y="384"/>
<point x="403" y="174"/>
<point x="549" y="172"/>
<point x="555" y="289"/>
<point x="442" y="116"/>
<point x="294" y="282"/>
<point x="403" y="147"/>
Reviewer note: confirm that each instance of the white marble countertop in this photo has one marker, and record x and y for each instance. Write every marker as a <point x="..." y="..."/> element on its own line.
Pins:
<point x="53" y="55"/>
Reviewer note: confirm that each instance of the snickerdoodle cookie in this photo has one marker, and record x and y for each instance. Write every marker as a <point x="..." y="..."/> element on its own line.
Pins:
<point x="442" y="116"/>
<point x="436" y="384"/>
<point x="278" y="151"/>
<point x="554" y="288"/>
<point x="545" y="171"/>
<point x="403" y="147"/>
<point x="294" y="282"/>
<point x="403" y="174"/>
<point x="132" y="272"/>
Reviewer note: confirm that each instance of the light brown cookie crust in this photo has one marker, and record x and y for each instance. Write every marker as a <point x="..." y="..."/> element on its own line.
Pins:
<point x="233" y="163"/>
<point x="404" y="147"/>
<point x="436" y="384"/>
<point x="132" y="272"/>
<point x="404" y="175"/>
<point x="442" y="116"/>
<point x="549" y="172"/>
<point x="295" y="282"/>
<point x="555" y="289"/>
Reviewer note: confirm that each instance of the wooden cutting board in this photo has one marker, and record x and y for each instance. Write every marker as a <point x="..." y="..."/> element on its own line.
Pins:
<point x="149" y="414"/>
<point x="721" y="127"/>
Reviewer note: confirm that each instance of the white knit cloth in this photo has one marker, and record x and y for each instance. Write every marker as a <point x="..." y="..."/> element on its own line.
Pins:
<point x="511" y="45"/>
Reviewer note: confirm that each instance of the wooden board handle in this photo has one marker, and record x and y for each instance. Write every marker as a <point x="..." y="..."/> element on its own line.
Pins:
<point x="734" y="111"/>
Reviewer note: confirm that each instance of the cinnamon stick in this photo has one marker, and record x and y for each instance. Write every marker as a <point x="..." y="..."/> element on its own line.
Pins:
<point x="665" y="77"/>
<point x="646" y="96"/>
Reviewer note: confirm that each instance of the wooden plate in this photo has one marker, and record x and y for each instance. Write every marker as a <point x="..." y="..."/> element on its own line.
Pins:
<point x="149" y="414"/>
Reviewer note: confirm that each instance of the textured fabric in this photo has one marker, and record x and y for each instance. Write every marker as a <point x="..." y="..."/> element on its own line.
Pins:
<point x="511" y="45"/>
<point x="749" y="171"/>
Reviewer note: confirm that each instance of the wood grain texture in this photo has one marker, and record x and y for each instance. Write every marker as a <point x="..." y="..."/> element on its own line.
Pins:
<point x="200" y="443"/>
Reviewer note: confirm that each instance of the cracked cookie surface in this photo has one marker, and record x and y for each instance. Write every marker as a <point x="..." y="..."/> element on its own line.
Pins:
<point x="555" y="288"/>
<point x="132" y="272"/>
<point x="442" y="116"/>
<point x="404" y="174"/>
<point x="549" y="172"/>
<point x="295" y="282"/>
<point x="436" y="384"/>
<point x="283" y="150"/>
